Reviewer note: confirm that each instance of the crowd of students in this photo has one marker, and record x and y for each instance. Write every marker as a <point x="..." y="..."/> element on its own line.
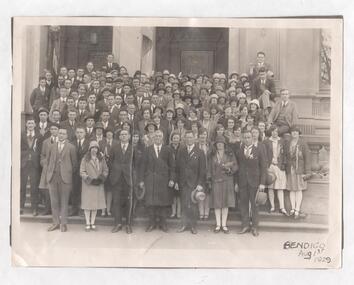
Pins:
<point x="101" y="139"/>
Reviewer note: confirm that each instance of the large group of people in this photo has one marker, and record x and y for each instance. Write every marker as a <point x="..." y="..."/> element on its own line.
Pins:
<point x="100" y="140"/>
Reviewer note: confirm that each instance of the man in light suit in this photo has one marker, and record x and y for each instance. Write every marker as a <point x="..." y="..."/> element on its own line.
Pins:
<point x="251" y="178"/>
<point x="59" y="104"/>
<point x="61" y="164"/>
<point x="120" y="165"/>
<point x="284" y="114"/>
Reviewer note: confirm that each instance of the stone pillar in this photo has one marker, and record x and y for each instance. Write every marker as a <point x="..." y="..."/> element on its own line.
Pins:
<point x="126" y="47"/>
<point x="234" y="50"/>
<point x="148" y="49"/>
<point x="116" y="43"/>
<point x="34" y="60"/>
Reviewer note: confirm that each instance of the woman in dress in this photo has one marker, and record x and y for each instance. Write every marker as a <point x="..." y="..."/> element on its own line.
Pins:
<point x="298" y="170"/>
<point x="93" y="171"/>
<point x="276" y="153"/>
<point x="221" y="170"/>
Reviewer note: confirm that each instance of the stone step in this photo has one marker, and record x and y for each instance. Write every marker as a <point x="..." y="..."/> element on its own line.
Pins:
<point x="270" y="221"/>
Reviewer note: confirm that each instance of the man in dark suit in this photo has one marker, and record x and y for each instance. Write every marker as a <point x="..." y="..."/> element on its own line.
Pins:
<point x="43" y="125"/>
<point x="81" y="145"/>
<point x="90" y="124"/>
<point x="62" y="163"/>
<point x="158" y="176"/>
<point x="40" y="97"/>
<point x="263" y="89"/>
<point x="30" y="164"/>
<point x="82" y="112"/>
<point x="251" y="178"/>
<point x="120" y="165"/>
<point x="70" y="124"/>
<point x="92" y="107"/>
<point x="110" y="65"/>
<point x="191" y="175"/>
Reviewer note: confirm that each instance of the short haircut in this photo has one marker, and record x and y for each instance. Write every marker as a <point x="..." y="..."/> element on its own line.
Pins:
<point x="189" y="132"/>
<point x="261" y="52"/>
<point x="283" y="90"/>
<point x="245" y="130"/>
<point x="42" y="78"/>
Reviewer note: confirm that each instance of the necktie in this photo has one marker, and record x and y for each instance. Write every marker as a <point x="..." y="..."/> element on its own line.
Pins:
<point x="60" y="147"/>
<point x="80" y="144"/>
<point x="124" y="148"/>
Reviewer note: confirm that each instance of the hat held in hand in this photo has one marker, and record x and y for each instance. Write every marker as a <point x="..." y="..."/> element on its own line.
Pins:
<point x="197" y="195"/>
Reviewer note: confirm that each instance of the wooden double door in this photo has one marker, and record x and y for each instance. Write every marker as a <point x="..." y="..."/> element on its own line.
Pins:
<point x="192" y="50"/>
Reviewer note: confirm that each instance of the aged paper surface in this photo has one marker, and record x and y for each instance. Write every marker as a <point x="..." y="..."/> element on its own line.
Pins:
<point x="32" y="245"/>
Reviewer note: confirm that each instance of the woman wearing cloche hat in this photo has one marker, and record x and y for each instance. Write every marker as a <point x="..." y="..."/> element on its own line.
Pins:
<point x="93" y="171"/>
<point x="222" y="168"/>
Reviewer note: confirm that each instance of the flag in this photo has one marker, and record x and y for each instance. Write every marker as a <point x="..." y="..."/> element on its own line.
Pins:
<point x="55" y="61"/>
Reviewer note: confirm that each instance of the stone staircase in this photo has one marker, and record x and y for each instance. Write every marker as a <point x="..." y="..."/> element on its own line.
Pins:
<point x="315" y="221"/>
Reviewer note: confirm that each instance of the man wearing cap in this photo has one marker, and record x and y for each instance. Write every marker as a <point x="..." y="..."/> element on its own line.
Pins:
<point x="157" y="176"/>
<point x="30" y="166"/>
<point x="43" y="125"/>
<point x="284" y="114"/>
<point x="61" y="164"/>
<point x="191" y="175"/>
<point x="251" y="178"/>
<point x="120" y="176"/>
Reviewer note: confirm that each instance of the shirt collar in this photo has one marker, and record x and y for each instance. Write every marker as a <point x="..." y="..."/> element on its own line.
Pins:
<point x="30" y="133"/>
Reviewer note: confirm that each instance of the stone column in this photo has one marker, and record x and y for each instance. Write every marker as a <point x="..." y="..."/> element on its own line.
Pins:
<point x="34" y="54"/>
<point x="126" y="47"/>
<point x="148" y="49"/>
<point x="234" y="50"/>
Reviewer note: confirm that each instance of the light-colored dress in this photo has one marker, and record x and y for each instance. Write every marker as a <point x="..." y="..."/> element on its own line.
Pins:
<point x="92" y="196"/>
<point x="280" y="182"/>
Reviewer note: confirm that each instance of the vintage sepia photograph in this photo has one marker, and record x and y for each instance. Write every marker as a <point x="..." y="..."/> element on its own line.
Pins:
<point x="177" y="142"/>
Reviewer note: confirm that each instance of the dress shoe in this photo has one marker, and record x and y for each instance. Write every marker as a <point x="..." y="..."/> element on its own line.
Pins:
<point x="35" y="213"/>
<point x="150" y="228"/>
<point x="53" y="227"/>
<point x="244" y="230"/>
<point x="128" y="229"/>
<point x="93" y="227"/>
<point x="46" y="213"/>
<point x="164" y="228"/>
<point x="182" y="229"/>
<point x="116" y="228"/>
<point x="225" y="230"/>
<point x="63" y="228"/>
<point x="217" y="229"/>
<point x="255" y="232"/>
<point x="87" y="228"/>
<point x="194" y="230"/>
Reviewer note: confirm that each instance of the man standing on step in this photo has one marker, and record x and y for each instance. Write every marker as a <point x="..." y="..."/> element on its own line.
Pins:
<point x="61" y="164"/>
<point x="157" y="176"/>
<point x="191" y="175"/>
<point x="120" y="177"/>
<point x="251" y="178"/>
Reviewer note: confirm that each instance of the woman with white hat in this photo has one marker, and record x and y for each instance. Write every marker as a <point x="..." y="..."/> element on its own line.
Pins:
<point x="93" y="171"/>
